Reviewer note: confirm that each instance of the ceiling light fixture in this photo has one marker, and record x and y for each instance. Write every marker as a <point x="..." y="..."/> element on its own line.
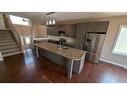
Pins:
<point x="50" y="22"/>
<point x="50" y="13"/>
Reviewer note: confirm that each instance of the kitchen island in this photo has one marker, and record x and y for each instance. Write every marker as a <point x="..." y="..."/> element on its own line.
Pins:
<point x="75" y="58"/>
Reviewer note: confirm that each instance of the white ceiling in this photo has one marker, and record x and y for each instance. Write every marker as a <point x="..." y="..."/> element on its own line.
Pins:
<point x="40" y="17"/>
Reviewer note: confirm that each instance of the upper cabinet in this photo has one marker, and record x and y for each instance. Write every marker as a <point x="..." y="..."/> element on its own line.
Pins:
<point x="69" y="30"/>
<point x="83" y="28"/>
<point x="80" y="35"/>
<point x="98" y="26"/>
<point x="52" y="30"/>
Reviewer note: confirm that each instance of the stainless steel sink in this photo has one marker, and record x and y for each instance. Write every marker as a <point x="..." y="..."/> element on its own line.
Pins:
<point x="63" y="47"/>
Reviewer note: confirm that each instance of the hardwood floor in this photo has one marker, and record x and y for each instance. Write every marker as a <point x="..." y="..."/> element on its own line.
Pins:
<point x="27" y="69"/>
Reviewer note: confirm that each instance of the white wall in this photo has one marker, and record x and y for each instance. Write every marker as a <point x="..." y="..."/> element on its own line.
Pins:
<point x="106" y="55"/>
<point x="39" y="31"/>
<point x="56" y="38"/>
<point x="23" y="30"/>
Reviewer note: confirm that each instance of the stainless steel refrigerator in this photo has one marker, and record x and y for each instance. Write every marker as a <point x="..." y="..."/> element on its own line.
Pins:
<point x="93" y="44"/>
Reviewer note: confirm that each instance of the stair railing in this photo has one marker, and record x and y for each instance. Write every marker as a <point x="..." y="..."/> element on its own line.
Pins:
<point x="13" y="30"/>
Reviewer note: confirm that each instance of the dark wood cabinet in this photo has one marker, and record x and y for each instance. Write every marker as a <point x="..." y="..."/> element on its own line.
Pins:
<point x="98" y="26"/>
<point x="80" y="34"/>
<point x="69" y="30"/>
<point x="52" y="30"/>
<point x="79" y="31"/>
<point x="83" y="28"/>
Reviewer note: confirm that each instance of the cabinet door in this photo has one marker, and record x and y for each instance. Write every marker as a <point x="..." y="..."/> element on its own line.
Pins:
<point x="80" y="35"/>
<point x="52" y="30"/>
<point x="101" y="26"/>
<point x="69" y="30"/>
<point x="92" y="27"/>
<point x="98" y="26"/>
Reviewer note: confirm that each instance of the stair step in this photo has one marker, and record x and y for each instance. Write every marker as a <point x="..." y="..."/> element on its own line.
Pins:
<point x="7" y="41"/>
<point x="5" y="32"/>
<point x="7" y="44"/>
<point x="8" y="37"/>
<point x="12" y="53"/>
<point x="8" y="47"/>
<point x="9" y="51"/>
<point x="5" y="35"/>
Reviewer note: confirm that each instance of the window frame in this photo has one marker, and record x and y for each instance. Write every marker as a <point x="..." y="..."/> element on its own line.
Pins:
<point x="115" y="42"/>
<point x="22" y="19"/>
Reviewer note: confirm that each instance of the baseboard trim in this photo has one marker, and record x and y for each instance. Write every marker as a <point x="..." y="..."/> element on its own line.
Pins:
<point x="114" y="63"/>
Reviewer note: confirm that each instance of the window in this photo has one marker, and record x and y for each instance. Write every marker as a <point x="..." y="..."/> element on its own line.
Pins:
<point x="19" y="20"/>
<point x="1" y="22"/>
<point x="120" y="45"/>
<point x="27" y="40"/>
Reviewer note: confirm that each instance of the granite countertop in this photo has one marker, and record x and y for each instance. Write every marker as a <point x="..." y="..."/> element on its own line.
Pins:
<point x="39" y="39"/>
<point x="70" y="53"/>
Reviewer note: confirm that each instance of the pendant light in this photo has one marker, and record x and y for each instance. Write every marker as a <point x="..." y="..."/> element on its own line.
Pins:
<point x="51" y="22"/>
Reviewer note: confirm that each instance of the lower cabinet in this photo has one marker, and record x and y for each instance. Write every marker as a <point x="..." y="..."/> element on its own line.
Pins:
<point x="59" y="59"/>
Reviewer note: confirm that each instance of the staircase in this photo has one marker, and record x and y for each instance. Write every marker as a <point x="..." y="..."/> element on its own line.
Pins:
<point x="8" y="43"/>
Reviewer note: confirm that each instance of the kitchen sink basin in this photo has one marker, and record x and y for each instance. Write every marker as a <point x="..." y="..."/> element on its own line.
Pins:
<point x="63" y="47"/>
